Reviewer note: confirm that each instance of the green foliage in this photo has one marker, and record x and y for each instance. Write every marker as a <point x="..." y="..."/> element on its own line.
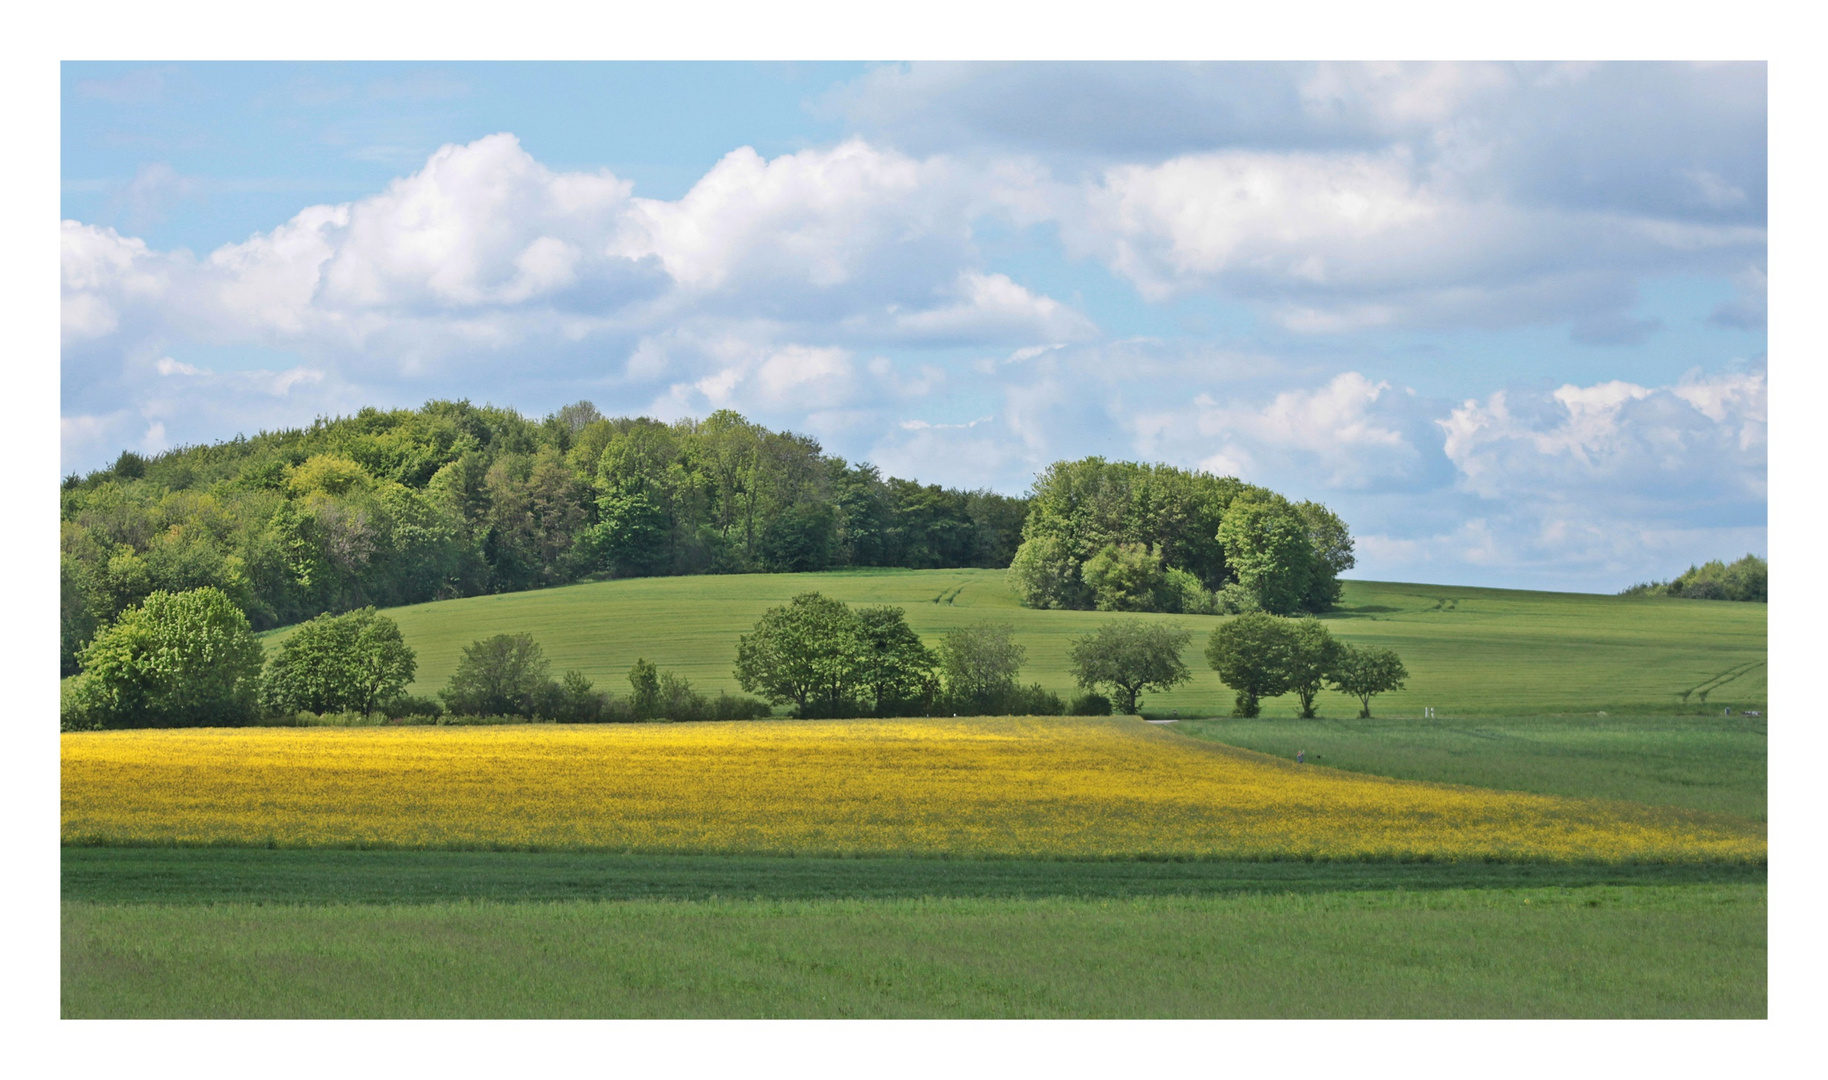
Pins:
<point x="1266" y="545"/>
<point x="1743" y="580"/>
<point x="898" y="669"/>
<point x="387" y="508"/>
<point x="1124" y="577"/>
<point x="644" y="689"/>
<point x="1089" y="705"/>
<point x="1313" y="654"/>
<point x="355" y="662"/>
<point x="176" y="660"/>
<point x="810" y="653"/>
<point x="1120" y="536"/>
<point x="1253" y="655"/>
<point x="1131" y="656"/>
<point x="1364" y="672"/>
<point x="979" y="665"/>
<point x="500" y="675"/>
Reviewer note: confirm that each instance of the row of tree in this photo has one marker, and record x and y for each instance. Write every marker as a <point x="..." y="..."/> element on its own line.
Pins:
<point x="823" y="658"/>
<point x="1122" y="536"/>
<point x="1746" y="579"/>
<point x="190" y="659"/>
<point x="394" y="507"/>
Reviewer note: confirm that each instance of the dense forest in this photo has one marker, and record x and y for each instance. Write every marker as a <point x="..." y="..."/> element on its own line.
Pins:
<point x="453" y="499"/>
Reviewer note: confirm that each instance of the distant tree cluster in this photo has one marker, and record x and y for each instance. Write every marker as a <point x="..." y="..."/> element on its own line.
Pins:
<point x="1744" y="580"/>
<point x="1122" y="536"/>
<point x="825" y="659"/>
<point x="1259" y="655"/>
<point x="396" y="507"/>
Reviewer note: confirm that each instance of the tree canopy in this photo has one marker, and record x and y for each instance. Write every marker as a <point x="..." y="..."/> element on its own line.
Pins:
<point x="339" y="663"/>
<point x="1364" y="672"/>
<point x="504" y="675"/>
<point x="1252" y="654"/>
<point x="1131" y="656"/>
<point x="385" y="508"/>
<point x="174" y="660"/>
<point x="1123" y="536"/>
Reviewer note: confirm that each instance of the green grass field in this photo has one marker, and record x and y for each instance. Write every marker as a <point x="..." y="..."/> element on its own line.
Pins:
<point x="1693" y="951"/>
<point x="1699" y="762"/>
<point x="1470" y="652"/>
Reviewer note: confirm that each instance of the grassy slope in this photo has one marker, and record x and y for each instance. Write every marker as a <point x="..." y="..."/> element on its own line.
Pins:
<point x="1702" y="763"/>
<point x="1696" y="950"/>
<point x="1469" y="651"/>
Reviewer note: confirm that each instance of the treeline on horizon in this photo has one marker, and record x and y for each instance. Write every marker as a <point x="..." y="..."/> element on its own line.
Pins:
<point x="1746" y="579"/>
<point x="384" y="508"/>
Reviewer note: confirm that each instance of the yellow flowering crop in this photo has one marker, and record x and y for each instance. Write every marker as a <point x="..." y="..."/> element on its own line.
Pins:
<point x="980" y="786"/>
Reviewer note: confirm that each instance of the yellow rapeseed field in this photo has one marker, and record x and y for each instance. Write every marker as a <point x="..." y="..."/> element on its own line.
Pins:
<point x="979" y="786"/>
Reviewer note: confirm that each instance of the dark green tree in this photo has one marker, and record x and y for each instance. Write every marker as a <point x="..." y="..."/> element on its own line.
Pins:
<point x="1364" y="672"/>
<point x="898" y="667"/>
<point x="353" y="662"/>
<point x="809" y="653"/>
<point x="979" y="665"/>
<point x="1313" y="654"/>
<point x="1130" y="656"/>
<point x="177" y="660"/>
<point x="1252" y="654"/>
<point x="644" y="689"/>
<point x="499" y="676"/>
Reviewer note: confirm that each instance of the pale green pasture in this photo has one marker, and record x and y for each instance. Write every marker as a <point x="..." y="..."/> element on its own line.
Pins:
<point x="1468" y="650"/>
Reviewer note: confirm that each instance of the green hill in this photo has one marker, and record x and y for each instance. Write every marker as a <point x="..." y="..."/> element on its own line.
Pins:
<point x="1469" y="651"/>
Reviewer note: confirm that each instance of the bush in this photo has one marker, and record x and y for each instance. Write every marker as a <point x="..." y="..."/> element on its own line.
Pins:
<point x="1089" y="705"/>
<point x="409" y="706"/>
<point x="184" y="659"/>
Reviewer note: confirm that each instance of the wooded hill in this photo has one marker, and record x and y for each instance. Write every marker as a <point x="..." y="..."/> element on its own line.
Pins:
<point x="454" y="499"/>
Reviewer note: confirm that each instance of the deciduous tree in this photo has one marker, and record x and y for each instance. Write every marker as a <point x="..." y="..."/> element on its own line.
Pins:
<point x="1131" y="656"/>
<point x="1252" y="654"/>
<point x="1365" y="672"/>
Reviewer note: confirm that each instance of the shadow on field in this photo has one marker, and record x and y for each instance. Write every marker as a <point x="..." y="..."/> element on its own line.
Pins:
<point x="246" y="875"/>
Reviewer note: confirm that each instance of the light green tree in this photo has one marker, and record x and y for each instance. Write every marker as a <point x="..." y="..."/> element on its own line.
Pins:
<point x="504" y="675"/>
<point x="1131" y="656"/>
<point x="809" y="653"/>
<point x="184" y="659"/>
<point x="980" y="664"/>
<point x="1312" y="655"/>
<point x="1365" y="672"/>
<point x="340" y="663"/>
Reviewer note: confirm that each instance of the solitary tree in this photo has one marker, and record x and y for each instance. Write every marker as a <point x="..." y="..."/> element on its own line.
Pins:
<point x="980" y="664"/>
<point x="183" y="659"/>
<point x="502" y="675"/>
<point x="352" y="662"/>
<point x="1365" y="673"/>
<point x="1130" y="656"/>
<point x="897" y="666"/>
<point x="809" y="653"/>
<point x="1251" y="653"/>
<point x="1312" y="654"/>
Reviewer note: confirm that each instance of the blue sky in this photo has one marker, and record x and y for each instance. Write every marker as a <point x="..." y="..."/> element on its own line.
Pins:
<point x="1507" y="319"/>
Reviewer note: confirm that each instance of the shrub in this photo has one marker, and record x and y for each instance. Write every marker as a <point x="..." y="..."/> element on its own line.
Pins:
<point x="1089" y="705"/>
<point x="412" y="706"/>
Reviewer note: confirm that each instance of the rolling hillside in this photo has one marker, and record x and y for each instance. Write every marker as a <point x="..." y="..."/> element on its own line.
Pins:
<point x="1469" y="651"/>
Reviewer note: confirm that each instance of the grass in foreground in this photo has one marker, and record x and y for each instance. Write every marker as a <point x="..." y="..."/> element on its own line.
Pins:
<point x="1483" y="651"/>
<point x="1110" y="787"/>
<point x="1703" y="763"/>
<point x="335" y="876"/>
<point x="1688" y="951"/>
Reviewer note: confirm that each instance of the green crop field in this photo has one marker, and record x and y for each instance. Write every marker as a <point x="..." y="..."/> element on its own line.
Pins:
<point x="1693" y="951"/>
<point x="1469" y="651"/>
